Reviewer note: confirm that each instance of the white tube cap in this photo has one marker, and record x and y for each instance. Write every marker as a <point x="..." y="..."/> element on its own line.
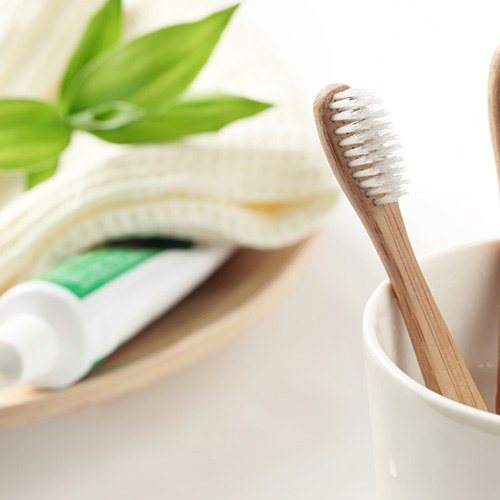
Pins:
<point x="28" y="349"/>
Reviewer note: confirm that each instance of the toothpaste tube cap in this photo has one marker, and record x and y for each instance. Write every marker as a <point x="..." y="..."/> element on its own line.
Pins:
<point x="28" y="349"/>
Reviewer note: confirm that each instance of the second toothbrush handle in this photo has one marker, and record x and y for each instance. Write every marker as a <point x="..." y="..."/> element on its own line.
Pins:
<point x="494" y="106"/>
<point x="442" y="365"/>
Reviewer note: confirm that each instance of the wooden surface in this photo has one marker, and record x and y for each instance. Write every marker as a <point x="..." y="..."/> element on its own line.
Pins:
<point x="443" y="367"/>
<point x="241" y="292"/>
<point x="494" y="119"/>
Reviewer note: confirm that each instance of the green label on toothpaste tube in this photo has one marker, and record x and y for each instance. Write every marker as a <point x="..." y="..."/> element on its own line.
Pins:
<point x="85" y="273"/>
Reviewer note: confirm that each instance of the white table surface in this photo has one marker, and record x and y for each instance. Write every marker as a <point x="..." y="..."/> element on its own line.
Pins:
<point x="281" y="412"/>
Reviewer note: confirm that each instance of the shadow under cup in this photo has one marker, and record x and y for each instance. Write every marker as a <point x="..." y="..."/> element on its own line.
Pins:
<point x="428" y="447"/>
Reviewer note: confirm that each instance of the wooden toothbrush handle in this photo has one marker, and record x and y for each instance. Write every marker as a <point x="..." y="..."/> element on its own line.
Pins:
<point x="494" y="106"/>
<point x="494" y="119"/>
<point x="443" y="367"/>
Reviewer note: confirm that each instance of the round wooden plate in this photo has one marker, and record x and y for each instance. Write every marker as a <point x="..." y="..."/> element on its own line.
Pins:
<point x="241" y="292"/>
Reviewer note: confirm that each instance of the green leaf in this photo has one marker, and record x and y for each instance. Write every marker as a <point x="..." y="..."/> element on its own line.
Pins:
<point x="189" y="115"/>
<point x="30" y="132"/>
<point x="150" y="70"/>
<point x="41" y="172"/>
<point x="106" y="116"/>
<point x="103" y="31"/>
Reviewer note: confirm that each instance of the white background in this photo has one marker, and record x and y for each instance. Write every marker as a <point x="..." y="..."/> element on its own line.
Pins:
<point x="281" y="412"/>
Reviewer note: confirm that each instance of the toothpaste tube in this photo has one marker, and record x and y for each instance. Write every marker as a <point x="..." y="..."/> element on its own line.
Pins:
<point x="56" y="327"/>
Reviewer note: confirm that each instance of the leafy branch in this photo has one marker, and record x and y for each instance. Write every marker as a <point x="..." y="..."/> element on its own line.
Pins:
<point x="125" y="92"/>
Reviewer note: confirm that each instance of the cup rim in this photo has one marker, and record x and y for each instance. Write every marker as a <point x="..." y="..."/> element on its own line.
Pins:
<point x="377" y="353"/>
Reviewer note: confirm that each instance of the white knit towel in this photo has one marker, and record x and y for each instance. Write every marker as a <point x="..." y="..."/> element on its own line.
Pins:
<point x="261" y="182"/>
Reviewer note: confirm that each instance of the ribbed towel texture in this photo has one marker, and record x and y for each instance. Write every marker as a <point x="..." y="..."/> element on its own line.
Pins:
<point x="260" y="182"/>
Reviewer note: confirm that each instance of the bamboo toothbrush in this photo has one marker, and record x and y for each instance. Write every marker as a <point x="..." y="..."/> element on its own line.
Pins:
<point x="494" y="105"/>
<point x="494" y="118"/>
<point x="363" y="154"/>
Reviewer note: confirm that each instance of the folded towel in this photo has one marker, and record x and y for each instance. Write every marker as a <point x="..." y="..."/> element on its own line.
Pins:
<point x="261" y="182"/>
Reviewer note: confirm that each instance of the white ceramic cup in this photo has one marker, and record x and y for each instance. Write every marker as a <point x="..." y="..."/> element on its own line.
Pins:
<point x="428" y="447"/>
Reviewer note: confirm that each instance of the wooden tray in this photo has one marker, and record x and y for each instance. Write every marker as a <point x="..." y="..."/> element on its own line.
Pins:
<point x="241" y="292"/>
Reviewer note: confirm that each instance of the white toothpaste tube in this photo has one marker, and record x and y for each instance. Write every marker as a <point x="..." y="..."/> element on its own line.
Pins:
<point x="55" y="328"/>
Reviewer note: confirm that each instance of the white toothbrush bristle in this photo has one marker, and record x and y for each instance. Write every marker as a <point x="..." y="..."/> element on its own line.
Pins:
<point x="370" y="144"/>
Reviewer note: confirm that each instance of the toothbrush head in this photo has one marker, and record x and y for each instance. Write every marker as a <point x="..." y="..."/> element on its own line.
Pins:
<point x="357" y="131"/>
